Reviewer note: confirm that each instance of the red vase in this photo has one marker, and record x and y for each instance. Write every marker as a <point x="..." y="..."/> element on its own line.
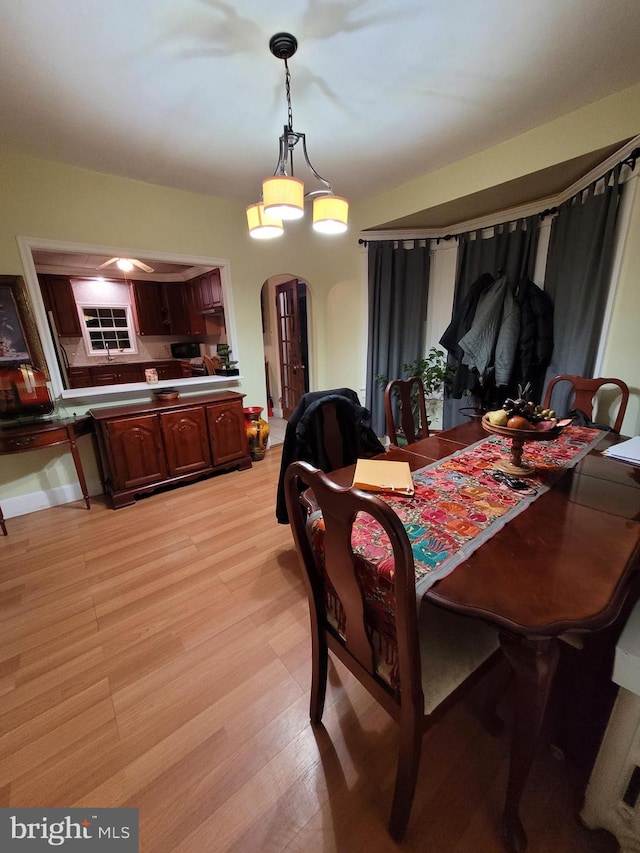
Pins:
<point x="257" y="430"/>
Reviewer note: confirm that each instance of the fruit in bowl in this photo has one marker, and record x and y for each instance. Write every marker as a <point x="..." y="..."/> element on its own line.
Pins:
<point x="522" y="414"/>
<point x="518" y="422"/>
<point x="498" y="417"/>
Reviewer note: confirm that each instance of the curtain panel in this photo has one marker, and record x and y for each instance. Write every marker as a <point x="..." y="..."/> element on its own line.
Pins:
<point x="577" y="278"/>
<point x="511" y="251"/>
<point x="398" y="290"/>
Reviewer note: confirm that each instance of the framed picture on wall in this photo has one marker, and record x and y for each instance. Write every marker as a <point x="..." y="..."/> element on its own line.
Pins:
<point x="19" y="339"/>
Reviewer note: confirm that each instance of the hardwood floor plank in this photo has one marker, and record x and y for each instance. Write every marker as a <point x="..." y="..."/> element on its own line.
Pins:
<point x="158" y="657"/>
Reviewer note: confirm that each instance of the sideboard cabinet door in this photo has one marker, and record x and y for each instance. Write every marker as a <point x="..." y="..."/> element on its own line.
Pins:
<point x="136" y="450"/>
<point x="186" y="440"/>
<point x="228" y="436"/>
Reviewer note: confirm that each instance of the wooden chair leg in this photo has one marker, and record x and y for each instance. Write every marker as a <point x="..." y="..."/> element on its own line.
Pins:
<point x="320" y="661"/>
<point x="411" y="732"/>
<point x="2" y="524"/>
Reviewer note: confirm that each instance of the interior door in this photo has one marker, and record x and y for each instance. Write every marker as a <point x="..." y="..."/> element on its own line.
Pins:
<point x="292" y="342"/>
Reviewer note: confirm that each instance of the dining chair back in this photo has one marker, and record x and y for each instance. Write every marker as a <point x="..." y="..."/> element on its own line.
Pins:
<point x="363" y="609"/>
<point x="211" y="364"/>
<point x="405" y="409"/>
<point x="584" y="391"/>
<point x="329" y="429"/>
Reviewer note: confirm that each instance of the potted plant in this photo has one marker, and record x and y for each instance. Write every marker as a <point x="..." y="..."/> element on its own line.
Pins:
<point x="432" y="368"/>
<point x="227" y="365"/>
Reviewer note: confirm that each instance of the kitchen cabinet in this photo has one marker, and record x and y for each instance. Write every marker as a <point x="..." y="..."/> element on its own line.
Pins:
<point x="160" y="443"/>
<point x="210" y="290"/>
<point x="57" y="295"/>
<point x="176" y="309"/>
<point x="116" y="374"/>
<point x="79" y="377"/>
<point x="166" y="369"/>
<point x="150" y="310"/>
<point x="197" y="323"/>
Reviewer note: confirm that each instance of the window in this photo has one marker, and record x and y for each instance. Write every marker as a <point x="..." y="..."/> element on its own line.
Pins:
<point x="107" y="328"/>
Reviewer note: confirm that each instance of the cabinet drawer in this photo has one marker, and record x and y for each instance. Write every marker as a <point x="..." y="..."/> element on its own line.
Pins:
<point x="29" y="441"/>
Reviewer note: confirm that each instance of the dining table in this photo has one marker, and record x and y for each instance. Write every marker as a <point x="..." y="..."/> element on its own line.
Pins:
<point x="564" y="566"/>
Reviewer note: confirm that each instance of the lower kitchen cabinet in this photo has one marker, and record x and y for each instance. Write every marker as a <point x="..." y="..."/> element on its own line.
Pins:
<point x="116" y="374"/>
<point x="147" y="445"/>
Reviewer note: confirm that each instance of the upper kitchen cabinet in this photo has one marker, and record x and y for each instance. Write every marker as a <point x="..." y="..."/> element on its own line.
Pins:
<point x="175" y="301"/>
<point x="57" y="296"/>
<point x="210" y="290"/>
<point x="197" y="323"/>
<point x="150" y="310"/>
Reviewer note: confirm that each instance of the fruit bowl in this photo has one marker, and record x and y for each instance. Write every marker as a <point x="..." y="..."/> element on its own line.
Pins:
<point x="514" y="464"/>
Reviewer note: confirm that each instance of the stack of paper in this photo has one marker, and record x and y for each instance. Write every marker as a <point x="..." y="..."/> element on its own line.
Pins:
<point x="380" y="475"/>
<point x="626" y="451"/>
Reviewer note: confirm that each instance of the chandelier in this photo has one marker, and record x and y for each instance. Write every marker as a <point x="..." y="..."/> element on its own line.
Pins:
<point x="283" y="194"/>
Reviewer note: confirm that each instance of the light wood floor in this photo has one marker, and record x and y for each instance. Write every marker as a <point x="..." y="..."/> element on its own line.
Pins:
<point x="157" y="656"/>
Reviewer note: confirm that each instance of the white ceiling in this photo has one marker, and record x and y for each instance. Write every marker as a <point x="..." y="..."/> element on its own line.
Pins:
<point x="186" y="93"/>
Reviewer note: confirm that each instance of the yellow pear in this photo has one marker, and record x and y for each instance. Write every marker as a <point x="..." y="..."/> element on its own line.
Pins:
<point x="498" y="417"/>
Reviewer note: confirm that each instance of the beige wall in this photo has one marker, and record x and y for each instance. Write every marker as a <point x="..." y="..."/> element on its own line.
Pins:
<point x="47" y="200"/>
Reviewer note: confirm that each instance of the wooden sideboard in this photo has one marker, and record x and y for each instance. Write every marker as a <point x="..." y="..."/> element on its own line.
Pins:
<point x="147" y="445"/>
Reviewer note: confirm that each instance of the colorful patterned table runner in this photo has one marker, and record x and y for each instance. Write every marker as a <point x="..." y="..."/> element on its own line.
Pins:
<point x="458" y="503"/>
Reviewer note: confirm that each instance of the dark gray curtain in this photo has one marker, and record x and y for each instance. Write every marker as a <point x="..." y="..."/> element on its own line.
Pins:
<point x="577" y="278"/>
<point x="511" y="251"/>
<point x="398" y="289"/>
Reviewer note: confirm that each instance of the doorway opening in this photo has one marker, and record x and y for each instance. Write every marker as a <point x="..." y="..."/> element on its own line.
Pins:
<point x="285" y="326"/>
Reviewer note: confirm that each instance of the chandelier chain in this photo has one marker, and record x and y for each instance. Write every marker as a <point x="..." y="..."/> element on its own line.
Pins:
<point x="287" y="86"/>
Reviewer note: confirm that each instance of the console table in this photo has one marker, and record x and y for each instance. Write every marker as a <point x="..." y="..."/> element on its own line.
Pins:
<point x="22" y="437"/>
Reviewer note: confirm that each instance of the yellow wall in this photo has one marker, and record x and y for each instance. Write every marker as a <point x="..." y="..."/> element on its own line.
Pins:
<point x="595" y="126"/>
<point x="42" y="199"/>
<point x="48" y="200"/>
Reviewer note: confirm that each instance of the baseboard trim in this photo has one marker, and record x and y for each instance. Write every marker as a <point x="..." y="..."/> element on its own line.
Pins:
<point x="35" y="501"/>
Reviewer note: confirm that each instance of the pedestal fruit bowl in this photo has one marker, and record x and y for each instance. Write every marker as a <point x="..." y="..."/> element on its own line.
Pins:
<point x="520" y="420"/>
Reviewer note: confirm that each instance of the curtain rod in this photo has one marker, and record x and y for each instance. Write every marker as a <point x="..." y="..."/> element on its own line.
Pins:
<point x="629" y="158"/>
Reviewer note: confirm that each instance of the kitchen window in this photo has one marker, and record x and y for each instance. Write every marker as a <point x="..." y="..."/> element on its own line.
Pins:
<point x="107" y="329"/>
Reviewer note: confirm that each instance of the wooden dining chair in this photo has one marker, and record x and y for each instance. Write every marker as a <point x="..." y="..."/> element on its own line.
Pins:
<point x="328" y="429"/>
<point x="211" y="363"/>
<point x="405" y="398"/>
<point x="364" y="611"/>
<point x="584" y="391"/>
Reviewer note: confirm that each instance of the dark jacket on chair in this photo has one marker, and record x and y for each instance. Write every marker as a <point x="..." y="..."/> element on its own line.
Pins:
<point x="304" y="436"/>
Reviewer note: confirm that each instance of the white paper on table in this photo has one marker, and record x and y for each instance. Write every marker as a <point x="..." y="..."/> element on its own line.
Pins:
<point x="626" y="451"/>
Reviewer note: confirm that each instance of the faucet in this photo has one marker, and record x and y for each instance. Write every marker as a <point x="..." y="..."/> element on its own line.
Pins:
<point x="110" y="357"/>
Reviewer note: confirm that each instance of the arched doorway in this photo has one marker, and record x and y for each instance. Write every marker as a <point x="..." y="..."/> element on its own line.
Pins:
<point x="284" y="301"/>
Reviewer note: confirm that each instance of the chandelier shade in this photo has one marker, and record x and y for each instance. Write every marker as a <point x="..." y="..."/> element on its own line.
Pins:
<point x="261" y="225"/>
<point x="283" y="194"/>
<point x="330" y="214"/>
<point x="283" y="197"/>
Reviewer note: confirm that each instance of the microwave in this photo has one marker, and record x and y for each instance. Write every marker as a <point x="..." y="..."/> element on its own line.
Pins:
<point x="191" y="349"/>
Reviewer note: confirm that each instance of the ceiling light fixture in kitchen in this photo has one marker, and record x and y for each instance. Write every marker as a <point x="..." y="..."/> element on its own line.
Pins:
<point x="127" y="264"/>
<point x="283" y="194"/>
